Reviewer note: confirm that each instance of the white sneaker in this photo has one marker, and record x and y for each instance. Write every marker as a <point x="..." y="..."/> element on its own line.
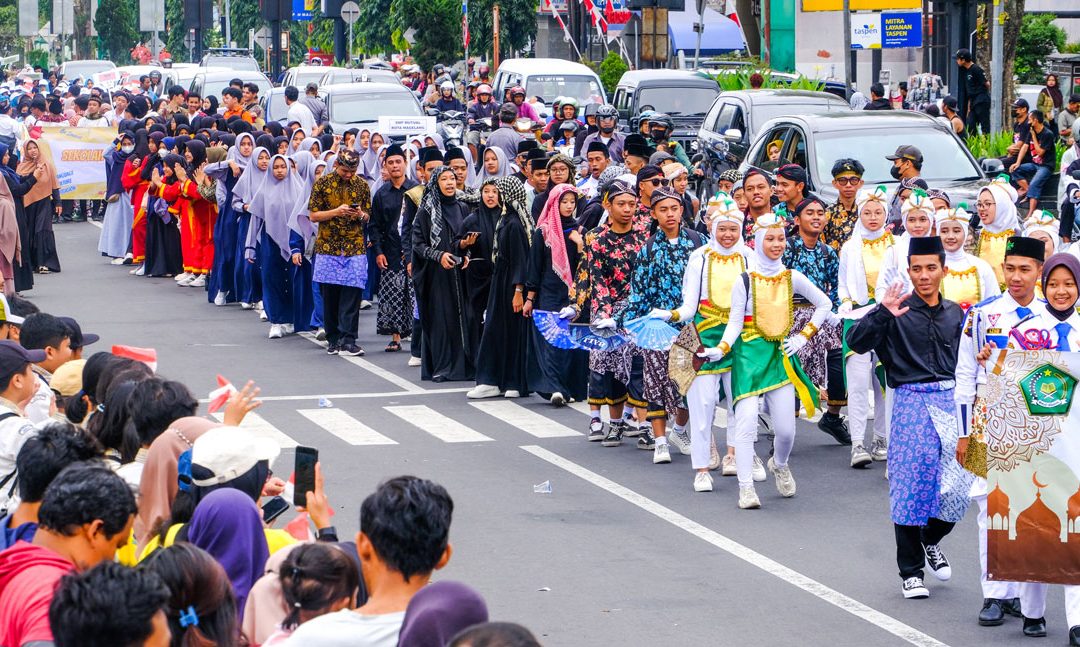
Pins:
<point x="860" y="458"/>
<point x="727" y="466"/>
<point x="937" y="563"/>
<point x="785" y="482"/>
<point x="748" y="498"/>
<point x="244" y="305"/>
<point x="288" y="328"/>
<point x="703" y="482"/>
<point x="198" y="282"/>
<point x="913" y="588"/>
<point x="714" y="456"/>
<point x="558" y="399"/>
<point x="661" y="454"/>
<point x="759" y="470"/>
<point x="116" y="261"/>
<point x="183" y="276"/>
<point x="186" y="281"/>
<point x="512" y="394"/>
<point x="879" y="451"/>
<point x="276" y="332"/>
<point x="219" y="300"/>
<point x="141" y="271"/>
<point x="262" y="315"/>
<point x="365" y="304"/>
<point x="414" y="361"/>
<point x="320" y="334"/>
<point x="681" y="441"/>
<point x="481" y="391"/>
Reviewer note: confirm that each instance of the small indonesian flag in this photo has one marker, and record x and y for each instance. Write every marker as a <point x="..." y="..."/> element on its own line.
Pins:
<point x="147" y="356"/>
<point x="220" y="395"/>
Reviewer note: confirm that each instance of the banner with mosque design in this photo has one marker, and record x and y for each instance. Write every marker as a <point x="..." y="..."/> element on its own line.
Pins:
<point x="1032" y="433"/>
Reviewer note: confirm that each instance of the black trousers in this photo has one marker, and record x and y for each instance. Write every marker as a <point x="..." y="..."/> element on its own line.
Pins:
<point x="341" y="313"/>
<point x="416" y="339"/>
<point x="910" y="541"/>
<point x="834" y="368"/>
<point x="978" y="116"/>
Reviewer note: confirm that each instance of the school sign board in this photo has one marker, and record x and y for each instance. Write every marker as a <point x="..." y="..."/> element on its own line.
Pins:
<point x="78" y="155"/>
<point x="886" y="30"/>
<point x="406" y="125"/>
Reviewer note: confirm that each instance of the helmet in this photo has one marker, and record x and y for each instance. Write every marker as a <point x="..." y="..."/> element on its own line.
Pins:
<point x="438" y="69"/>
<point x="484" y="69"/>
<point x="590" y="109"/>
<point x="661" y="120"/>
<point x="155" y="74"/>
<point x="516" y="90"/>
<point x="443" y="78"/>
<point x="571" y="101"/>
<point x="446" y="85"/>
<point x="607" y="111"/>
<point x="483" y="89"/>
<point x="645" y="115"/>
<point x="570" y="125"/>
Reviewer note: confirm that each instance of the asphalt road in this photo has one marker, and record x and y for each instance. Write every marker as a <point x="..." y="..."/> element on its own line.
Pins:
<point x="621" y="552"/>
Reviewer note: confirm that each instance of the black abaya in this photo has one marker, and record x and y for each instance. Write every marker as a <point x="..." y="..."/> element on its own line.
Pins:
<point x="42" y="249"/>
<point x="163" y="255"/>
<point x="478" y="274"/>
<point x="502" y="358"/>
<point x="24" y="270"/>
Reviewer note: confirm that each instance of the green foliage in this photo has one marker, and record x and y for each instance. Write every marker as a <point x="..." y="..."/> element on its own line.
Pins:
<point x="373" y="32"/>
<point x="992" y="145"/>
<point x="438" y="29"/>
<point x="1070" y="48"/>
<point x="1039" y="37"/>
<point x="739" y="79"/>
<point x="9" y="27"/>
<point x="116" y="28"/>
<point x="38" y="58"/>
<point x="611" y="70"/>
<point x="174" y="35"/>
<point x="517" y="26"/>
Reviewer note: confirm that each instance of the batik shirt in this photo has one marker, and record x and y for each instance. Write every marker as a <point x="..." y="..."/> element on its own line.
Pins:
<point x="839" y="225"/>
<point x="658" y="273"/>
<point x="340" y="236"/>
<point x="605" y="271"/>
<point x="821" y="265"/>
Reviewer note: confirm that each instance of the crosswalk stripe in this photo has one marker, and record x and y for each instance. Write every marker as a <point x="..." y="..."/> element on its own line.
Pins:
<point x="445" y="429"/>
<point x="258" y="426"/>
<point x="525" y="419"/>
<point x="719" y="418"/>
<point x="345" y="427"/>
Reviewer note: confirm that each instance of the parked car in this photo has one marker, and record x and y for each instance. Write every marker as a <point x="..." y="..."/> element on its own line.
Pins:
<point x="815" y="142"/>
<point x="301" y="75"/>
<point x="212" y="82"/>
<point x="361" y="104"/>
<point x="130" y="74"/>
<point x="548" y="78"/>
<point x="70" y="70"/>
<point x="235" y="58"/>
<point x="685" y="96"/>
<point x="733" y="122"/>
<point x="273" y="104"/>
<point x="335" y="75"/>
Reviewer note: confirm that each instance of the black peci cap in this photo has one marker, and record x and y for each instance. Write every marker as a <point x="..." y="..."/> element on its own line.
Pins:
<point x="1024" y="246"/>
<point x="925" y="246"/>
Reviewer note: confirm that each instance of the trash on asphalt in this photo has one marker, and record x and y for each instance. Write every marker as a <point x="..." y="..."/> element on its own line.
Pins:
<point x="543" y="488"/>
<point x="325" y="403"/>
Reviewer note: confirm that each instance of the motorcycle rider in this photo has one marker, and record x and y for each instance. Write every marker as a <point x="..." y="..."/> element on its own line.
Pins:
<point x="483" y="74"/>
<point x="524" y="108"/>
<point x="567" y="111"/>
<point x="482" y="108"/>
<point x="505" y="137"/>
<point x="447" y="101"/>
<point x="607" y="118"/>
<point x="660" y="128"/>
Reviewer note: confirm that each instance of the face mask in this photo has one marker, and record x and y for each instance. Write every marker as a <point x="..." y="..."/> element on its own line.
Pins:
<point x="895" y="172"/>
<point x="607" y="130"/>
<point x="128" y="149"/>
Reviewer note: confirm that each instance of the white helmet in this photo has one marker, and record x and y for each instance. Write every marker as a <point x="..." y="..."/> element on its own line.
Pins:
<point x="447" y="85"/>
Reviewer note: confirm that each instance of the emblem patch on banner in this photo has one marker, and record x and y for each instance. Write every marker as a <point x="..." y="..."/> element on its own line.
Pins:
<point x="1048" y="391"/>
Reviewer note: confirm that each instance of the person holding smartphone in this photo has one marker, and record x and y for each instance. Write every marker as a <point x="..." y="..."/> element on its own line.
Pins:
<point x="340" y="202"/>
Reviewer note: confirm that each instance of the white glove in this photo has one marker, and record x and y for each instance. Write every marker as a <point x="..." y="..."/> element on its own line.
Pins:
<point x="712" y="354"/>
<point x="569" y="312"/>
<point x="662" y="315"/>
<point x="605" y="324"/>
<point x="793" y="344"/>
<point x="845" y="308"/>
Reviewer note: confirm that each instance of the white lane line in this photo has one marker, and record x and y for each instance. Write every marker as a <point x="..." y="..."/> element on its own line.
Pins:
<point x="525" y="419"/>
<point x="719" y="419"/>
<point x="258" y="425"/>
<point x="95" y="223"/>
<point x="350" y="396"/>
<point x="445" y="429"/>
<point x="345" y="427"/>
<point x="393" y="378"/>
<point x="748" y="555"/>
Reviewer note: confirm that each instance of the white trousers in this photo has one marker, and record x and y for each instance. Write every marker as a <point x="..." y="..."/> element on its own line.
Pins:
<point x="701" y="401"/>
<point x="860" y="380"/>
<point x="781" y="404"/>
<point x="1072" y="605"/>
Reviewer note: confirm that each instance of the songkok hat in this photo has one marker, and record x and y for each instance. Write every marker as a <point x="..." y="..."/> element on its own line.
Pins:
<point x="925" y="246"/>
<point x="1025" y="246"/>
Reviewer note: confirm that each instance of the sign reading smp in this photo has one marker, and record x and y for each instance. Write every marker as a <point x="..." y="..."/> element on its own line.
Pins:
<point x="886" y="30"/>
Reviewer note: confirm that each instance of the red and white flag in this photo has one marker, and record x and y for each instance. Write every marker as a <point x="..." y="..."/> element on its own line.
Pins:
<point x="220" y="396"/>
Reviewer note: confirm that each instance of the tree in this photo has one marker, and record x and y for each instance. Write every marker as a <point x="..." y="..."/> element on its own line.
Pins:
<point x="438" y="29"/>
<point x="373" y="33"/>
<point x="175" y="30"/>
<point x="9" y="26"/>
<point x="611" y="70"/>
<point x="517" y="26"/>
<point x="1010" y="10"/>
<point x="1039" y="37"/>
<point x="117" y="32"/>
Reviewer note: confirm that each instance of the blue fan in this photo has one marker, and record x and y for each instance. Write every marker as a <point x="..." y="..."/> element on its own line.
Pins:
<point x="651" y="334"/>
<point x="588" y="338"/>
<point x="560" y="333"/>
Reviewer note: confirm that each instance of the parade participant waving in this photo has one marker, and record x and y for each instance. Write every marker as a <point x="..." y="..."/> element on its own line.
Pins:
<point x="764" y="359"/>
<point x="917" y="221"/>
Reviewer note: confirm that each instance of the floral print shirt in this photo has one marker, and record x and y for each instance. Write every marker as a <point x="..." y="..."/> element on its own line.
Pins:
<point x="658" y="273"/>
<point x="820" y="264"/>
<point x="340" y="236"/>
<point x="605" y="270"/>
<point x="839" y="224"/>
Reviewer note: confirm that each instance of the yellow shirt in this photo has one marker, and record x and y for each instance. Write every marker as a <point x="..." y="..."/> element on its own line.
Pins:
<point x="276" y="539"/>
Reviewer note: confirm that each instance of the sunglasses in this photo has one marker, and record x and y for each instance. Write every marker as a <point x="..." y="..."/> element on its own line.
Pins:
<point x="848" y="180"/>
<point x="656" y="182"/>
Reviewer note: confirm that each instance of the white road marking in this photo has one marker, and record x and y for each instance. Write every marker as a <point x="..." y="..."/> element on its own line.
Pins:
<point x="393" y="378"/>
<point x="95" y="223"/>
<point x="258" y="425"/>
<point x="445" y="429"/>
<point x="350" y="396"/>
<point x="345" y="427"/>
<point x="748" y="555"/>
<point x="525" y="419"/>
<point x="719" y="419"/>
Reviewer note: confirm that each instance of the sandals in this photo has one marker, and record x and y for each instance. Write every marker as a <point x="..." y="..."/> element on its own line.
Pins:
<point x="393" y="347"/>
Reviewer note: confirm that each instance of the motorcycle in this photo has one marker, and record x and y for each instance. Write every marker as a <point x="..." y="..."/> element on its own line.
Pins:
<point x="451" y="127"/>
<point x="529" y="129"/>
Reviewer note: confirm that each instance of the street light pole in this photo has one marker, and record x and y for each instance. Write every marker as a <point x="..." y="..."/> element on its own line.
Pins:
<point x="997" y="68"/>
<point x="228" y="23"/>
<point x="849" y="54"/>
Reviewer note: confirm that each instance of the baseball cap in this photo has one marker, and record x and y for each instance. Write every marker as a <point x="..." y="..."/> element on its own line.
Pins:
<point x="67" y="380"/>
<point x="951" y="102"/>
<point x="5" y="313"/>
<point x="13" y="357"/>
<point x="312" y="87"/>
<point x="79" y="339"/>
<point x="1021" y="103"/>
<point x="907" y="152"/>
<point x="1074" y="98"/>
<point x="230" y="452"/>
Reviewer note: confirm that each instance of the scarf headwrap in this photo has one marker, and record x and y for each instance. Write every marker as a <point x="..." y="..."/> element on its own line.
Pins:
<point x="763" y="264"/>
<point x="303" y="161"/>
<point x="960" y="216"/>
<point x="252" y="178"/>
<point x="369" y="157"/>
<point x="432" y="201"/>
<point x="1043" y="221"/>
<point x="377" y="179"/>
<point x="228" y="525"/>
<point x="1005" y="198"/>
<point x="439" y="611"/>
<point x="307" y="144"/>
<point x="880" y="195"/>
<point x="502" y="171"/>
<point x="725" y="210"/>
<point x="550" y="225"/>
<point x="274" y="202"/>
<point x="10" y="246"/>
<point x="236" y="156"/>
<point x="44" y="187"/>
<point x="1054" y="92"/>
<point x="1068" y="261"/>
<point x="198" y="153"/>
<point x="114" y="166"/>
<point x="855" y="275"/>
<point x="294" y="147"/>
<point x="916" y="201"/>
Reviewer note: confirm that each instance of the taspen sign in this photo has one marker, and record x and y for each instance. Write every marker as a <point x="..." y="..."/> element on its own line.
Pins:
<point x="886" y="30"/>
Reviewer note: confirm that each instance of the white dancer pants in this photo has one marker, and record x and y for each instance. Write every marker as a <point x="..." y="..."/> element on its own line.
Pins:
<point x="781" y="404"/>
<point x="860" y="380"/>
<point x="701" y="401"/>
<point x="991" y="588"/>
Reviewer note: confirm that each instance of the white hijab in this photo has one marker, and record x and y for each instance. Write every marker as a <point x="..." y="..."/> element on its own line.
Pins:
<point x="1005" y="216"/>
<point x="855" y="276"/>
<point x="763" y="264"/>
<point x="956" y="259"/>
<point x="727" y="211"/>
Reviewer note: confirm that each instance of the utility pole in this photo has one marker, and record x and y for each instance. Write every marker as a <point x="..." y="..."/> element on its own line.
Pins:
<point x="997" y="68"/>
<point x="495" y="37"/>
<point x="849" y="54"/>
<point x="700" y="27"/>
<point x="228" y="23"/>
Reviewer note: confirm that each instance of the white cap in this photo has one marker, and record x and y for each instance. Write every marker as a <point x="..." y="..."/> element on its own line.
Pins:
<point x="6" y="315"/>
<point x="229" y="452"/>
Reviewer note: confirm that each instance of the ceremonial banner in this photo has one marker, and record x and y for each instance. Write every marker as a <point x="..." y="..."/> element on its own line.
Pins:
<point x="1032" y="434"/>
<point x="79" y="157"/>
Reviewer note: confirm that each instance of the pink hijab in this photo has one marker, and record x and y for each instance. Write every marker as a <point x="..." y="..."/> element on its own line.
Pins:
<point x="550" y="225"/>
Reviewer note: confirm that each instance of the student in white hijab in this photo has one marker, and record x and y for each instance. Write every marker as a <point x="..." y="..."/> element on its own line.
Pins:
<point x="917" y="216"/>
<point x="968" y="279"/>
<point x="996" y="207"/>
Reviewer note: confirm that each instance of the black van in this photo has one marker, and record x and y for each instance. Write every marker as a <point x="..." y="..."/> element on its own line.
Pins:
<point x="684" y="96"/>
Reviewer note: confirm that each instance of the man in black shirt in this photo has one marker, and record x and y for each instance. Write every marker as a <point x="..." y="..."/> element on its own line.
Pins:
<point x="395" y="292"/>
<point x="1037" y="159"/>
<point x="1021" y="134"/>
<point x="975" y="102"/>
<point x="917" y="337"/>
<point x="878" y="100"/>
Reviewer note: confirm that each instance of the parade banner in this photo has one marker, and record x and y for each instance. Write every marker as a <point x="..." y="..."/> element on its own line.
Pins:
<point x="79" y="157"/>
<point x="1032" y="435"/>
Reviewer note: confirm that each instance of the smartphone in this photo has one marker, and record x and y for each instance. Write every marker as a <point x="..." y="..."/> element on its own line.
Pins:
<point x="455" y="260"/>
<point x="304" y="474"/>
<point x="274" y="508"/>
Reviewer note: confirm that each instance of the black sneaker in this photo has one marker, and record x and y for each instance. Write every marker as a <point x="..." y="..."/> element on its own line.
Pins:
<point x="631" y="428"/>
<point x="835" y="426"/>
<point x="614" y="435"/>
<point x="332" y="349"/>
<point x="913" y="588"/>
<point x="645" y="438"/>
<point x="1012" y="607"/>
<point x="351" y="349"/>
<point x="596" y="430"/>
<point x="935" y="560"/>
